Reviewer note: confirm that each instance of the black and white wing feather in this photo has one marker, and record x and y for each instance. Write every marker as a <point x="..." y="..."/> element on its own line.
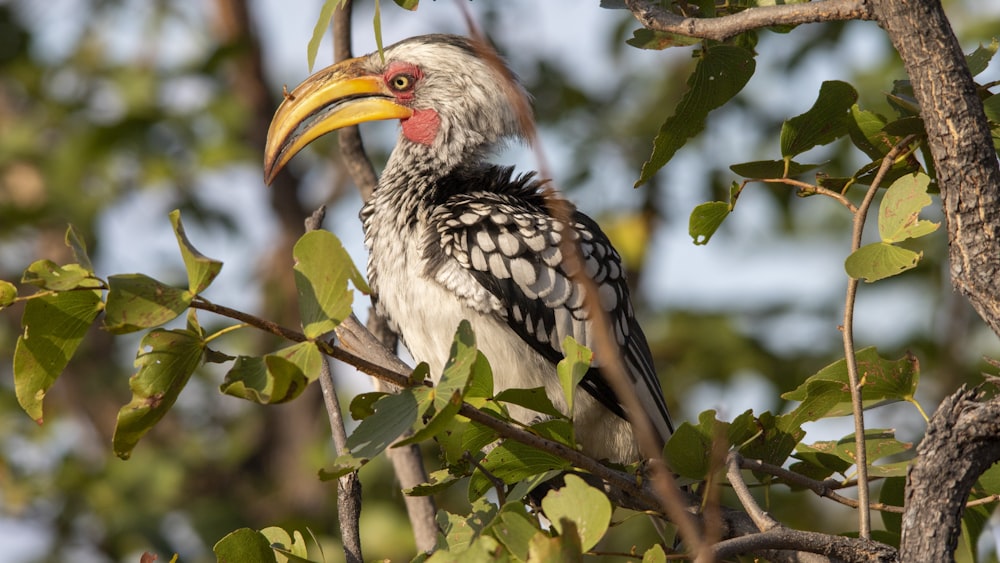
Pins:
<point x="501" y="233"/>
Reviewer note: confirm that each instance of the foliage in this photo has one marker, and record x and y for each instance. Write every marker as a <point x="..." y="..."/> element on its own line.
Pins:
<point x="491" y="520"/>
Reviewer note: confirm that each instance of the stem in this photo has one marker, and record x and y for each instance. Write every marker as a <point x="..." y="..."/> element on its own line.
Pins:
<point x="226" y="330"/>
<point x="847" y="330"/>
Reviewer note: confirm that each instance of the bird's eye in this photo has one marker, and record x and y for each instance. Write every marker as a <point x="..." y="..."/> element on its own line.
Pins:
<point x="402" y="82"/>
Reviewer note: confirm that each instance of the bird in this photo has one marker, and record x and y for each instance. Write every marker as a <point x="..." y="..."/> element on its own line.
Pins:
<point x="452" y="236"/>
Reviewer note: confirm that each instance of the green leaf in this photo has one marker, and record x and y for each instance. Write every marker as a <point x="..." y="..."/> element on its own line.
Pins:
<point x="825" y="121"/>
<point x="643" y="38"/>
<point x="893" y="493"/>
<point x="581" y="504"/>
<point x="244" y="546"/>
<point x="880" y="260"/>
<point x="511" y="462"/>
<point x="319" y="30"/>
<point x="688" y="450"/>
<point x="394" y="414"/>
<point x="46" y="274"/>
<point x="706" y="219"/>
<point x="137" y="301"/>
<point x="201" y="270"/>
<point x="720" y="74"/>
<point x="827" y="392"/>
<point x="437" y="482"/>
<point x="362" y="406"/>
<point x="287" y="547"/>
<point x="465" y="436"/>
<point x="8" y="294"/>
<point x="459" y="532"/>
<point x="565" y="548"/>
<point x="772" y="169"/>
<point x="979" y="59"/>
<point x="514" y="528"/>
<point x="654" y="554"/>
<point x="878" y="444"/>
<point x="79" y="247"/>
<point x="866" y="129"/>
<point x="407" y="4"/>
<point x="166" y="360"/>
<point x="52" y="328"/>
<point x="775" y="440"/>
<point x="532" y="399"/>
<point x="571" y="369"/>
<point x="275" y="378"/>
<point x="322" y="269"/>
<point x="898" y="215"/>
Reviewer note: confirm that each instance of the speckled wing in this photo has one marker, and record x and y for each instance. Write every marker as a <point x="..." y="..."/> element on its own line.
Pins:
<point x="510" y="244"/>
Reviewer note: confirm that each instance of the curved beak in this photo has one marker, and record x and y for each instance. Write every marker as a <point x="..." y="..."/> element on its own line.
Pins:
<point x="338" y="96"/>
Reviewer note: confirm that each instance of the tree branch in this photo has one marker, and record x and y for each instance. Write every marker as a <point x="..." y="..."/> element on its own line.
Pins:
<point x="962" y="441"/>
<point x="960" y="143"/>
<point x="654" y="16"/>
<point x="407" y="461"/>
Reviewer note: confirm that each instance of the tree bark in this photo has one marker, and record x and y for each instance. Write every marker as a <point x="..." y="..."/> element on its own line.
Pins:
<point x="962" y="441"/>
<point x="960" y="143"/>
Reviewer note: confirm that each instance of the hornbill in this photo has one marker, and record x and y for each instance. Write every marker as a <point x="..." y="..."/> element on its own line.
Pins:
<point x="451" y="236"/>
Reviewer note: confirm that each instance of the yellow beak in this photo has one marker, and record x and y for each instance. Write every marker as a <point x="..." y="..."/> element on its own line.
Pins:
<point x="338" y="96"/>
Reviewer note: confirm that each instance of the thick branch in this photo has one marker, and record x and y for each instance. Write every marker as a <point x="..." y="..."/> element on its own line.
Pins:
<point x="654" y="16"/>
<point x="960" y="142"/>
<point x="962" y="441"/>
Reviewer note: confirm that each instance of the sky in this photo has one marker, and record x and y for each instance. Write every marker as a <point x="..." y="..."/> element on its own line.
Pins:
<point x="683" y="274"/>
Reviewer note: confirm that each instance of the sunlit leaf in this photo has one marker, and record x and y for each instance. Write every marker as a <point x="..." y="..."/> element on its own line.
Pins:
<point x="244" y="546"/>
<point x="407" y="4"/>
<point x="827" y="392"/>
<point x="533" y="399"/>
<point x="137" y="301"/>
<point x="274" y="378"/>
<point x="289" y="547"/>
<point x="720" y="74"/>
<point x="319" y="30"/>
<point x="46" y="274"/>
<point x="394" y="414"/>
<point x="201" y="270"/>
<point x="79" y="248"/>
<point x="166" y="360"/>
<point x="8" y="294"/>
<point x="898" y="215"/>
<point x="979" y="59"/>
<point x="880" y="260"/>
<point x="582" y="504"/>
<point x="654" y="554"/>
<point x="825" y="121"/>
<point x="571" y="370"/>
<point x="461" y="531"/>
<point x="51" y="330"/>
<point x="566" y="547"/>
<point x="514" y="528"/>
<point x="866" y="129"/>
<point x="322" y="269"/>
<point x="512" y="462"/>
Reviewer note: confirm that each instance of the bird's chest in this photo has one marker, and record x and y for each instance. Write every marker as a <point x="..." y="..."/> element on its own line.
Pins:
<point x="423" y="312"/>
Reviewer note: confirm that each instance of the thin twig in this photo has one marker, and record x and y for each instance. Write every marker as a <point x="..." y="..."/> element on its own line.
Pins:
<point x="348" y="486"/>
<point x="847" y="331"/>
<point x="807" y="187"/>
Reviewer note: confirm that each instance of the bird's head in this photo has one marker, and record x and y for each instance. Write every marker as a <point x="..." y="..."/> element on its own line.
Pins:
<point x="454" y="99"/>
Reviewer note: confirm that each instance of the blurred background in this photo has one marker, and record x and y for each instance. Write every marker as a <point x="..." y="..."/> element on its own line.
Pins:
<point x="114" y="112"/>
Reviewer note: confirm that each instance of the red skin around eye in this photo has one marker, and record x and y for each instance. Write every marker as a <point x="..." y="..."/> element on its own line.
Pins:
<point x="422" y="127"/>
